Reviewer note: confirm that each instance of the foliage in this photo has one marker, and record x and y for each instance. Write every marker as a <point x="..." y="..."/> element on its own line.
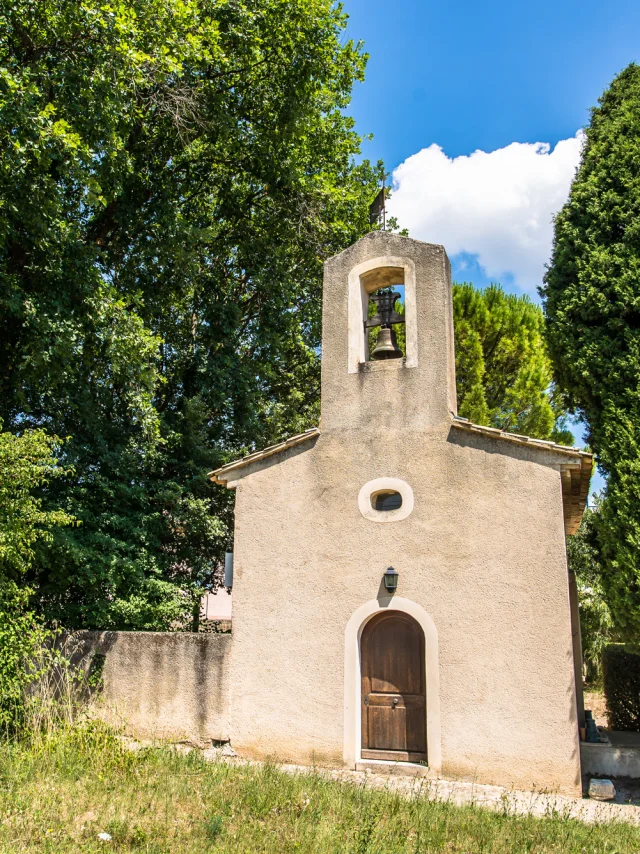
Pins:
<point x="22" y="637"/>
<point x="27" y="464"/>
<point x="172" y="175"/>
<point x="592" y="302"/>
<point x="503" y="372"/>
<point x="622" y="687"/>
<point x="596" y="624"/>
<point x="59" y="793"/>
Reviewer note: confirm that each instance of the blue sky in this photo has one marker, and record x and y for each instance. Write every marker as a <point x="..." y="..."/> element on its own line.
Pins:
<point x="470" y="75"/>
<point x="447" y="79"/>
<point x="483" y="75"/>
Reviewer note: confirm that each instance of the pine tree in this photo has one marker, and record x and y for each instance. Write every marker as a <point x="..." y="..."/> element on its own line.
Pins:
<point x="503" y="371"/>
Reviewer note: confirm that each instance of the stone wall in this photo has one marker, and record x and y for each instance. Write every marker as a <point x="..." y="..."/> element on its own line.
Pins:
<point x="165" y="685"/>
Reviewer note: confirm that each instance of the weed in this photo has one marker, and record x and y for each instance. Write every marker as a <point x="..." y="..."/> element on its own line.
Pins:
<point x="214" y="827"/>
<point x="365" y="831"/>
<point x="61" y="787"/>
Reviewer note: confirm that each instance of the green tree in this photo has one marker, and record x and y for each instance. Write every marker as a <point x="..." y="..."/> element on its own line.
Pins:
<point x="596" y="623"/>
<point x="592" y="302"/>
<point x="27" y="464"/>
<point x="503" y="371"/>
<point x="172" y="175"/>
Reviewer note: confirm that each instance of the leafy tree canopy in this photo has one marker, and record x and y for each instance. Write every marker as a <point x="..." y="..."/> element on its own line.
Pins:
<point x="27" y="464"/>
<point x="503" y="371"/>
<point x="596" y="624"/>
<point x="592" y="301"/>
<point x="172" y="175"/>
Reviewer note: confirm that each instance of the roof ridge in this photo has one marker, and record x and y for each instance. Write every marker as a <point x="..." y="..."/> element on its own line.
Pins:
<point x="255" y="456"/>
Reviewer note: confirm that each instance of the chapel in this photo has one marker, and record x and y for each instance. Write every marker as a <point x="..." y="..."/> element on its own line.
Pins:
<point x="401" y="590"/>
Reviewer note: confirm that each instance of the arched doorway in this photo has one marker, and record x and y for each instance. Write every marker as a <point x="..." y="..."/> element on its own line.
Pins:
<point x="393" y="695"/>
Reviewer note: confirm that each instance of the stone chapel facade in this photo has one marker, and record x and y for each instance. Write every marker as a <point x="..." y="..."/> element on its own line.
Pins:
<point x="470" y="667"/>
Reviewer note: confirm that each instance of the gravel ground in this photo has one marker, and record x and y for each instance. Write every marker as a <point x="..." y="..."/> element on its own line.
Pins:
<point x="461" y="793"/>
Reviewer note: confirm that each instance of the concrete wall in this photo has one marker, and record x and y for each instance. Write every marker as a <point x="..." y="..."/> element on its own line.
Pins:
<point x="166" y="685"/>
<point x="482" y="553"/>
<point x="607" y="760"/>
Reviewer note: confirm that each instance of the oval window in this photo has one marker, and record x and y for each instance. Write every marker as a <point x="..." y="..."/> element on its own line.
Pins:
<point x="388" y="500"/>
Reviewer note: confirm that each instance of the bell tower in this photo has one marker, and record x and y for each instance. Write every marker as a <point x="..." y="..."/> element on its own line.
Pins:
<point x="373" y="383"/>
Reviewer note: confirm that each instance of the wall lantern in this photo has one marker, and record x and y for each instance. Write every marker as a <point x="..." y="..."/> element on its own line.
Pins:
<point x="391" y="579"/>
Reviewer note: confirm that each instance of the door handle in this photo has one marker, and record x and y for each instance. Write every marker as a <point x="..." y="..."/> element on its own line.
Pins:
<point x="366" y="701"/>
<point x="396" y="700"/>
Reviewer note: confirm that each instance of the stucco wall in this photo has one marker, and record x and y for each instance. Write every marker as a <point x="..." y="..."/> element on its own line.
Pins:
<point x="385" y="394"/>
<point x="166" y="685"/>
<point x="482" y="553"/>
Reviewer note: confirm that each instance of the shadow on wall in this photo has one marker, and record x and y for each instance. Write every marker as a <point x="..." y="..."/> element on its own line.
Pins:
<point x="489" y="445"/>
<point x="78" y="677"/>
<point x="164" y="685"/>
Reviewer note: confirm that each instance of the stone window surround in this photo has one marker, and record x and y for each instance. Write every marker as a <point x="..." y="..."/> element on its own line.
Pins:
<point x="352" y="677"/>
<point x="366" y="278"/>
<point x="385" y="484"/>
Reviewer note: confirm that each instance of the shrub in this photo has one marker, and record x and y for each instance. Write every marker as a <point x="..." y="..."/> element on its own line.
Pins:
<point x="596" y="622"/>
<point x="39" y="687"/>
<point x="621" y="667"/>
<point x="28" y="463"/>
<point x="22" y="640"/>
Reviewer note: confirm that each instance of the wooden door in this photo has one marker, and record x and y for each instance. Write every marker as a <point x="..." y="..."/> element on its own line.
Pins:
<point x="394" y="720"/>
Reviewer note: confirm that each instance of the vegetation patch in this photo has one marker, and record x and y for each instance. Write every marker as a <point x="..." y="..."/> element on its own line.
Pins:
<point x="622" y="687"/>
<point x="80" y="789"/>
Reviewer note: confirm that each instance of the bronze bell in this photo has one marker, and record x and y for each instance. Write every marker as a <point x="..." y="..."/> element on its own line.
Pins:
<point x="386" y="345"/>
<point x="386" y="315"/>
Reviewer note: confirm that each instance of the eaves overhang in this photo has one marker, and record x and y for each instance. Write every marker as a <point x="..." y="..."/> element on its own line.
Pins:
<point x="226" y="473"/>
<point x="575" y="465"/>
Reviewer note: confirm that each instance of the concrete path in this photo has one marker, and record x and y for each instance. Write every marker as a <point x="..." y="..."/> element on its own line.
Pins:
<point x="509" y="801"/>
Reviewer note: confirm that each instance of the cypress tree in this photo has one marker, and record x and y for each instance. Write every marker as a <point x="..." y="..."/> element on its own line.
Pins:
<point x="592" y="303"/>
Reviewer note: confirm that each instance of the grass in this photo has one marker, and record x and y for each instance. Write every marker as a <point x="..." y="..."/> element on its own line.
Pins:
<point x="59" y="791"/>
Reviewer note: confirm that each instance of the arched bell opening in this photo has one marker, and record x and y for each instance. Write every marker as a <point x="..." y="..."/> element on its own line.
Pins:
<point x="382" y="323"/>
<point x="393" y="689"/>
<point x="385" y="318"/>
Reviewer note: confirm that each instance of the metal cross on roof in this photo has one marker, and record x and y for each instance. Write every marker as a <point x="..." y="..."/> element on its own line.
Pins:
<point x="378" y="208"/>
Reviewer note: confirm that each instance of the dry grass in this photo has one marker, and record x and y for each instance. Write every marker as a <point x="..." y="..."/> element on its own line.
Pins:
<point x="60" y="790"/>
<point x="594" y="700"/>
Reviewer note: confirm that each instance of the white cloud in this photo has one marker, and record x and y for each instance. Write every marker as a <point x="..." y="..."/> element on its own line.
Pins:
<point x="498" y="205"/>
